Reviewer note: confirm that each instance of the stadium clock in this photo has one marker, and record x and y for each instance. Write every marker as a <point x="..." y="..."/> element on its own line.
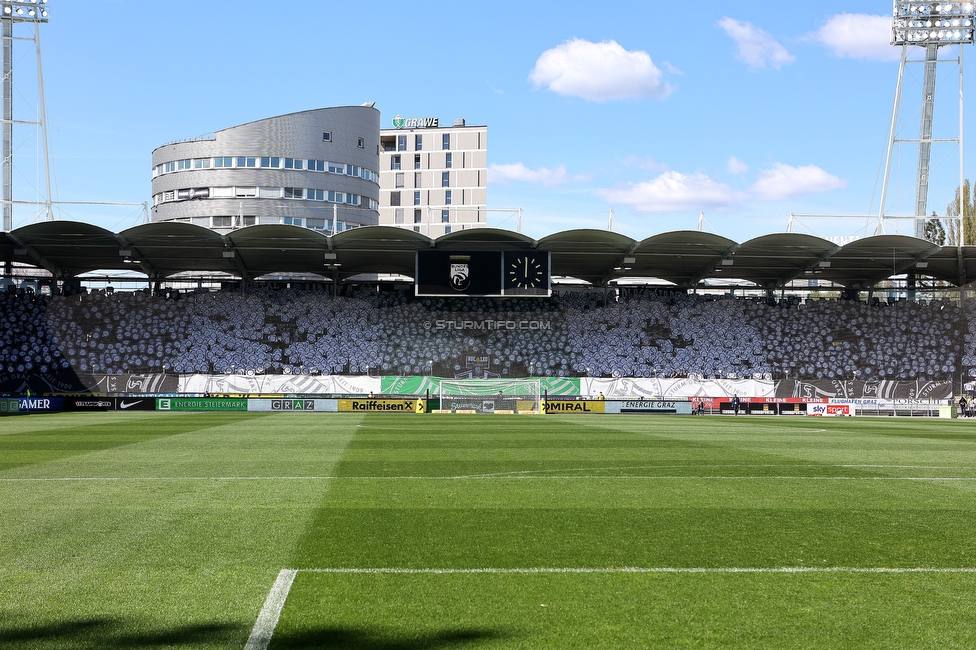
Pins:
<point x="526" y="273"/>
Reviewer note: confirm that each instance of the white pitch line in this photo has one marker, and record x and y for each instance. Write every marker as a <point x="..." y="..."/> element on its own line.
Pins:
<point x="618" y="477"/>
<point x="267" y="621"/>
<point x="637" y="570"/>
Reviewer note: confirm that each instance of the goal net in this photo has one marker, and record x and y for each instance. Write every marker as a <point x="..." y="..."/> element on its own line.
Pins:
<point x="491" y="396"/>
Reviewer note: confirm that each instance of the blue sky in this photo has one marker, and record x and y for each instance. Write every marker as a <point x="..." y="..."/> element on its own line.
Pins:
<point x="657" y="110"/>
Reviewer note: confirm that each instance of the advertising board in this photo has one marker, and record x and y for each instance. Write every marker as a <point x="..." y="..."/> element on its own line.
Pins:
<point x="574" y="406"/>
<point x="381" y="406"/>
<point x="292" y="405"/>
<point x="652" y="407"/>
<point x="829" y="410"/>
<point x="200" y="404"/>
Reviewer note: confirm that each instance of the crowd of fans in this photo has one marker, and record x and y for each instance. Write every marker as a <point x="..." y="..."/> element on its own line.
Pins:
<point x="393" y="333"/>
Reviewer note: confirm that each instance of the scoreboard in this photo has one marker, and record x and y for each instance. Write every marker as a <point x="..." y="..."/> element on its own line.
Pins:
<point x="482" y="273"/>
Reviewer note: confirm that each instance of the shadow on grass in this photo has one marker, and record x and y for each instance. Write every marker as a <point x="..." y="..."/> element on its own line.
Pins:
<point x="343" y="638"/>
<point x="115" y="633"/>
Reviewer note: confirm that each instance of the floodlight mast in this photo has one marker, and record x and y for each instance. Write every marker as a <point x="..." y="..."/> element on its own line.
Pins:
<point x="11" y="13"/>
<point x="928" y="25"/>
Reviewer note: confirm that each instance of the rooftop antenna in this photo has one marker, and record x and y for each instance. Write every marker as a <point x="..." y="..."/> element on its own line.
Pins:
<point x="928" y="26"/>
<point x="15" y="12"/>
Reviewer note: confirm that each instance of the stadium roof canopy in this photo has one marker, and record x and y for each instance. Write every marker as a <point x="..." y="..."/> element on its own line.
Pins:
<point x="160" y="250"/>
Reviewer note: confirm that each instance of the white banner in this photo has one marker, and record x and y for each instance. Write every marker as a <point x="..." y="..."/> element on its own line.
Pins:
<point x="280" y="384"/>
<point x="650" y="388"/>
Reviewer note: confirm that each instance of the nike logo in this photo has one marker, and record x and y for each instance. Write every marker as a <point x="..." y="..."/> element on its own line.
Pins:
<point x="124" y="405"/>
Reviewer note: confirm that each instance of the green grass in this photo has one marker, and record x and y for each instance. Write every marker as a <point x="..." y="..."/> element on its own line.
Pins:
<point x="125" y="530"/>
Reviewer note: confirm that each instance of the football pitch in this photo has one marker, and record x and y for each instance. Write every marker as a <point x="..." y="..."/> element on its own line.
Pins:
<point x="402" y="532"/>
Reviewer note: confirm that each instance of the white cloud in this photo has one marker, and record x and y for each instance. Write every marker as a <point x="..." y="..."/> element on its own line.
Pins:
<point x="518" y="172"/>
<point x="599" y="72"/>
<point x="858" y="36"/>
<point x="644" y="162"/>
<point x="736" y="166"/>
<point x="757" y="49"/>
<point x="781" y="182"/>
<point x="673" y="192"/>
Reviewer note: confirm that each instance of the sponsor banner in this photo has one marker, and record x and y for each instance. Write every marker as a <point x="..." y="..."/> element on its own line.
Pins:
<point x="9" y="406"/>
<point x="381" y="405"/>
<point x="292" y="405"/>
<point x="574" y="406"/>
<point x="655" y="407"/>
<point x="135" y="403"/>
<point x="831" y="410"/>
<point x="89" y="403"/>
<point x="200" y="404"/>
<point x="40" y="404"/>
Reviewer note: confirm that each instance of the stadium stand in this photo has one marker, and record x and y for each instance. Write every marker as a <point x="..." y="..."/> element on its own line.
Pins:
<point x="393" y="333"/>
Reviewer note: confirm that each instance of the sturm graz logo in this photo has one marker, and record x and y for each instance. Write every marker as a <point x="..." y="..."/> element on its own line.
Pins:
<point x="460" y="272"/>
<point x="398" y="122"/>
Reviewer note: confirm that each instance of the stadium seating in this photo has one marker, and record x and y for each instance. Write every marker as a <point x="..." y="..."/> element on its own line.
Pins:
<point x="393" y="333"/>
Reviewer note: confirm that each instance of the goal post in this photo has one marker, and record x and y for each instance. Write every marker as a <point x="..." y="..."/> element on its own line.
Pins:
<point x="491" y="396"/>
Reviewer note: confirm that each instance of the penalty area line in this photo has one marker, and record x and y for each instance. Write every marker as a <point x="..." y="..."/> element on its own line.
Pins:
<point x="267" y="621"/>
<point x="632" y="570"/>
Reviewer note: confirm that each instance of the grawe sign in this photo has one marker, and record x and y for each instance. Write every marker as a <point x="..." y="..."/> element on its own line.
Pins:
<point x="415" y="122"/>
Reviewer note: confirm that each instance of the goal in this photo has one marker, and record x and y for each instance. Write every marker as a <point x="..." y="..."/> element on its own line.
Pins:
<point x="491" y="396"/>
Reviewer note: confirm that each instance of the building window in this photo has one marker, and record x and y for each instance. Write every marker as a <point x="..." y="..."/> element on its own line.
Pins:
<point x="245" y="192"/>
<point x="243" y="161"/>
<point x="249" y="220"/>
<point x="315" y="224"/>
<point x="447" y="230"/>
<point x="445" y="216"/>
<point x="326" y="136"/>
<point x="448" y="160"/>
<point x="361" y="143"/>
<point x="416" y="198"/>
<point x="398" y="180"/>
<point x="418" y="216"/>
<point x="223" y="162"/>
<point x="398" y="215"/>
<point x="335" y="168"/>
<point x="418" y="142"/>
<point x="395" y="162"/>
<point x="447" y="197"/>
<point x="416" y="161"/>
<point x="401" y="143"/>
<point x="315" y="195"/>
<point x="223" y="222"/>
<point x="446" y="141"/>
<point x="394" y="198"/>
<point x="417" y="179"/>
<point x="445" y="179"/>
<point x="293" y="221"/>
<point x="294" y="193"/>
<point x="201" y="163"/>
<point x="291" y="163"/>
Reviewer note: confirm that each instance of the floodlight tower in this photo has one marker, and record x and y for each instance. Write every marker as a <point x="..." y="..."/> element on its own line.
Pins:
<point x="928" y="26"/>
<point x="14" y="12"/>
